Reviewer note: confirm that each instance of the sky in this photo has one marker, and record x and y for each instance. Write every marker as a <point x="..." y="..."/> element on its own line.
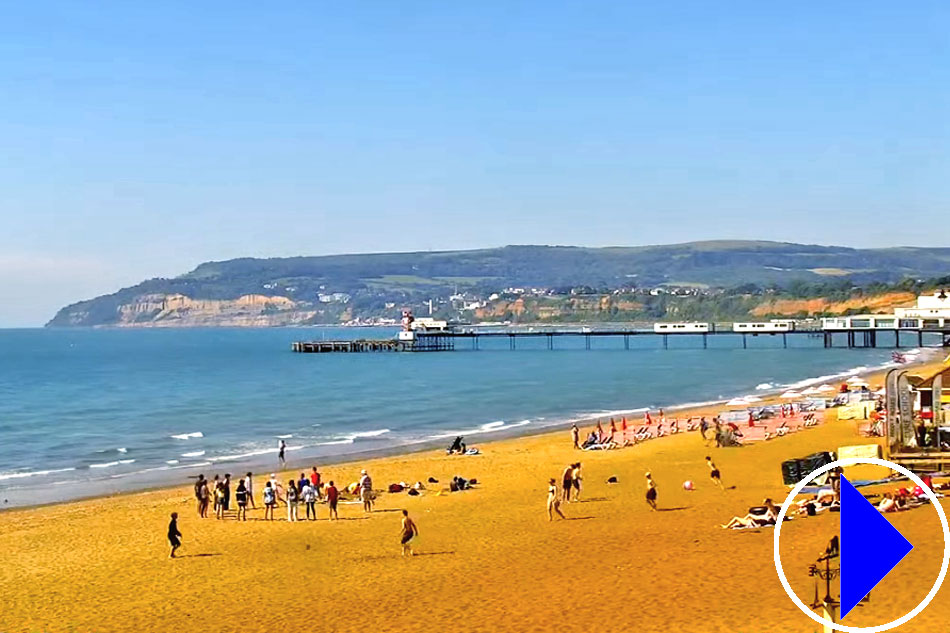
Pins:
<point x="141" y="139"/>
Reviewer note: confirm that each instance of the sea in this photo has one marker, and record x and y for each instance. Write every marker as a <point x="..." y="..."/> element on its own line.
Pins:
<point x="86" y="412"/>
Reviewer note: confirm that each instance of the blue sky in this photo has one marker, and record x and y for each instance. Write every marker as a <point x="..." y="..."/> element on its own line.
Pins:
<point x="140" y="139"/>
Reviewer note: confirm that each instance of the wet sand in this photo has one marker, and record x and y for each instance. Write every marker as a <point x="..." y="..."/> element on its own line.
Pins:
<point x="488" y="560"/>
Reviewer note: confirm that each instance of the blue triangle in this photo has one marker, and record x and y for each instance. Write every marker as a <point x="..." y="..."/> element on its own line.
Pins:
<point x="870" y="547"/>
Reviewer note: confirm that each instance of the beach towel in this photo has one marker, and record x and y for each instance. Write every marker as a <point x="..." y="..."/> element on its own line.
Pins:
<point x="472" y="451"/>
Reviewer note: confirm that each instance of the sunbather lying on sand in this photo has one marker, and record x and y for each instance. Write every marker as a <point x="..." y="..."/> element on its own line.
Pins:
<point x="758" y="516"/>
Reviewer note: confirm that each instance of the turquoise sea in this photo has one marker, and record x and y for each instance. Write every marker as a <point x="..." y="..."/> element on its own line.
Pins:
<point x="85" y="412"/>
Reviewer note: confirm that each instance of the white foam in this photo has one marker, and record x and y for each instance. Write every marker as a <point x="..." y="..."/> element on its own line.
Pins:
<point x="171" y="462"/>
<point x="122" y="450"/>
<point x="126" y="461"/>
<point x="359" y="434"/>
<point x="187" y="436"/>
<point x="34" y="473"/>
<point x="228" y="458"/>
<point x="193" y="454"/>
<point x="105" y="465"/>
<point x="285" y="437"/>
<point x="764" y="386"/>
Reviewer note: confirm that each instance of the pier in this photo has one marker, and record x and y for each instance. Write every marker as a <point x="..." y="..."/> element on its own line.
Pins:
<point x="471" y="339"/>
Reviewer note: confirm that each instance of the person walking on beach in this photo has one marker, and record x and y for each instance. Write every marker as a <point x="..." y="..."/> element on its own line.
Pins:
<point x="409" y="532"/>
<point x="714" y="472"/>
<point x="576" y="480"/>
<point x="554" y="501"/>
<point x="333" y="496"/>
<point x="249" y="486"/>
<point x="717" y="429"/>
<point x="174" y="536"/>
<point x="270" y="501"/>
<point x="309" y="497"/>
<point x="567" y="483"/>
<point x="366" y="491"/>
<point x="651" y="492"/>
<point x="198" y="484"/>
<point x="703" y="427"/>
<point x="240" y="497"/>
<point x="292" y="499"/>
<point x="281" y="453"/>
<point x="575" y="436"/>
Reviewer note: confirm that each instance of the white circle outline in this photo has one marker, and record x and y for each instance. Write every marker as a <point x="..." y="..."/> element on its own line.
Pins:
<point x="934" y="501"/>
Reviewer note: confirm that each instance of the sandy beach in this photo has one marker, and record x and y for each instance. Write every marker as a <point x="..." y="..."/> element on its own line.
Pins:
<point x="489" y="559"/>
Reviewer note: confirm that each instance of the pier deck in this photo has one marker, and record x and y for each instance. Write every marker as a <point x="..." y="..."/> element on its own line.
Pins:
<point x="446" y="340"/>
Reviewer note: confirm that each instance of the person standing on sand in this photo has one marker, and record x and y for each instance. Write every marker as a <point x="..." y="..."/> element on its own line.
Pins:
<point x="409" y="531"/>
<point x="309" y="497"/>
<point x="240" y="497"/>
<point x="333" y="495"/>
<point x="227" y="492"/>
<point x="717" y="429"/>
<point x="576" y="480"/>
<point x="174" y="536"/>
<point x="315" y="481"/>
<point x="215" y="486"/>
<point x="198" y="484"/>
<point x="651" y="492"/>
<point x="567" y="483"/>
<point x="714" y="472"/>
<point x="204" y="498"/>
<point x="554" y="502"/>
<point x="270" y="501"/>
<point x="292" y="499"/>
<point x="366" y="491"/>
<point x="218" y="499"/>
<point x="249" y="486"/>
<point x="281" y="450"/>
<point x="575" y="436"/>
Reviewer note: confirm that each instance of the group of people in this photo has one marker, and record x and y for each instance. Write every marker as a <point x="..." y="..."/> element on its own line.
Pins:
<point x="306" y="490"/>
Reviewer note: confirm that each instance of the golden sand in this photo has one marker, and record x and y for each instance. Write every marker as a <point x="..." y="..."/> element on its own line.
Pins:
<point x="488" y="560"/>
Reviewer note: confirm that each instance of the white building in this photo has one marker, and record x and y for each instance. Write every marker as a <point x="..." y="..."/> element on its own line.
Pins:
<point x="928" y="307"/>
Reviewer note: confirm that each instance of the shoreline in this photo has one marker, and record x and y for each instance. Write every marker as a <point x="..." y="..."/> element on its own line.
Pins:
<point x="922" y="358"/>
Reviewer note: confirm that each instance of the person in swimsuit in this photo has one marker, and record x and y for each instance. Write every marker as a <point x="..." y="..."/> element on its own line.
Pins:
<point x="575" y="436"/>
<point x="204" y="498"/>
<point x="576" y="480"/>
<point x="651" y="491"/>
<point x="281" y="449"/>
<point x="409" y="532"/>
<point x="198" y="484"/>
<point x="714" y="472"/>
<point x="567" y="483"/>
<point x="174" y="536"/>
<point x="554" y="501"/>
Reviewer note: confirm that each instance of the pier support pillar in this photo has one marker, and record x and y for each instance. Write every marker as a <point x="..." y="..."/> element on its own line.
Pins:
<point x="784" y="340"/>
<point x="511" y="341"/>
<point x="666" y="343"/>
<point x="745" y="343"/>
<point x="920" y="338"/>
<point x="705" y="342"/>
<point x="587" y="341"/>
<point x="626" y="341"/>
<point x="550" y="341"/>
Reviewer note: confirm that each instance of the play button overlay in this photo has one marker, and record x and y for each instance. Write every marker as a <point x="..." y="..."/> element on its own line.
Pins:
<point x="870" y="546"/>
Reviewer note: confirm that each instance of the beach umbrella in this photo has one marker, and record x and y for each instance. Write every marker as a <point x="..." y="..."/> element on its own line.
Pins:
<point x="826" y="388"/>
<point x="737" y="402"/>
<point x="810" y="391"/>
<point x="752" y="399"/>
<point x="788" y="395"/>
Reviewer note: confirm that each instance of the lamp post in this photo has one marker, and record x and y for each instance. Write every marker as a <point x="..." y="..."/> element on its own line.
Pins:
<point x="828" y="605"/>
